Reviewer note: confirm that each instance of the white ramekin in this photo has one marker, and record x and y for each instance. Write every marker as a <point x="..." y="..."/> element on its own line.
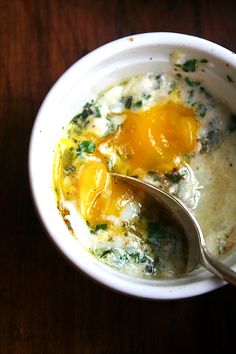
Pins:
<point x="89" y="75"/>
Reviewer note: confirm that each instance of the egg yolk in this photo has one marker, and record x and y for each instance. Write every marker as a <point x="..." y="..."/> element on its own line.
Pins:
<point x="100" y="196"/>
<point x="92" y="186"/>
<point x="156" y="139"/>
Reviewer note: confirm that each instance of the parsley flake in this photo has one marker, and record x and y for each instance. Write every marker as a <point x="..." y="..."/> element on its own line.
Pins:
<point x="128" y="102"/>
<point x="86" y="146"/>
<point x="99" y="227"/>
<point x="138" y="104"/>
<point x="174" y="177"/>
<point x="192" y="83"/>
<point x="189" y="66"/>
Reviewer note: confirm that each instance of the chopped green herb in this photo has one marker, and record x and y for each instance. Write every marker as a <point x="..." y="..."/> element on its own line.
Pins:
<point x="192" y="83"/>
<point x="119" y="257"/>
<point x="204" y="61"/>
<point x="99" y="227"/>
<point x="105" y="252"/>
<point x="172" y="87"/>
<point x="138" y="104"/>
<point x="74" y="120"/>
<point x="230" y="78"/>
<point x="174" y="177"/>
<point x="69" y="169"/>
<point x="205" y="92"/>
<point x="136" y="255"/>
<point x="146" y="96"/>
<point x="189" y="65"/>
<point x="128" y="103"/>
<point x="211" y="139"/>
<point x="86" y="112"/>
<point x="190" y="95"/>
<point x="97" y="112"/>
<point x="86" y="146"/>
<point x="67" y="160"/>
<point x="201" y="108"/>
<point x="158" y="79"/>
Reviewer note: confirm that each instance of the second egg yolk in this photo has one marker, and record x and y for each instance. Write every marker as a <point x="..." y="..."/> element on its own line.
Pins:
<point x="99" y="195"/>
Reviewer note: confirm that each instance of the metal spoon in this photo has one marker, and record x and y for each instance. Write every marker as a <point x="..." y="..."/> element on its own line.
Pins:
<point x="198" y="253"/>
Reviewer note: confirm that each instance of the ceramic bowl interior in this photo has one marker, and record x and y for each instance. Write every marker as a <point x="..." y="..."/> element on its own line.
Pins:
<point x="108" y="65"/>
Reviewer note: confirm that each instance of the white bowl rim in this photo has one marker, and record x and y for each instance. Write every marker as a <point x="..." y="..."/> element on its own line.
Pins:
<point x="135" y="289"/>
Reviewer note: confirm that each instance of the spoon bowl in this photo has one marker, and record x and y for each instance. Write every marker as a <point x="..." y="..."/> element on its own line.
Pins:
<point x="197" y="251"/>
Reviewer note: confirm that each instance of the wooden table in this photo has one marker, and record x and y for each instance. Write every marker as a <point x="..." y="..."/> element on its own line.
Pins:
<point x="45" y="305"/>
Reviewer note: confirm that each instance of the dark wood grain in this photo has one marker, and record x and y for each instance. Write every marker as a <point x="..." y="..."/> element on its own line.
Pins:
<point x="45" y="305"/>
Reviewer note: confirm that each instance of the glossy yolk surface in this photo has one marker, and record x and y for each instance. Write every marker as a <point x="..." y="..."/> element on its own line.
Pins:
<point x="99" y="195"/>
<point x="157" y="138"/>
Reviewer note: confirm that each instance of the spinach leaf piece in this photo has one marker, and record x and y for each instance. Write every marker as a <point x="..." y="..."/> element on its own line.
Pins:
<point x="128" y="102"/>
<point x="103" y="252"/>
<point x="205" y="92"/>
<point x="97" y="112"/>
<point x="137" y="256"/>
<point x="158" y="79"/>
<point x="138" y="104"/>
<point x="172" y="87"/>
<point x="189" y="66"/>
<point x="200" y="108"/>
<point x="86" y="146"/>
<point x="68" y="159"/>
<point x="86" y="112"/>
<point x="99" y="227"/>
<point x="190" y="95"/>
<point x="192" y="83"/>
<point x="146" y="96"/>
<point x="174" y="177"/>
<point x="70" y="169"/>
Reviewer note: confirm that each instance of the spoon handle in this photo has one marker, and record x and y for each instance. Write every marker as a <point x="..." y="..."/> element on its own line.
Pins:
<point x="218" y="268"/>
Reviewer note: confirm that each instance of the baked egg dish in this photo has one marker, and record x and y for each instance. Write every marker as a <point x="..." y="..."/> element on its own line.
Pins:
<point x="165" y="128"/>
